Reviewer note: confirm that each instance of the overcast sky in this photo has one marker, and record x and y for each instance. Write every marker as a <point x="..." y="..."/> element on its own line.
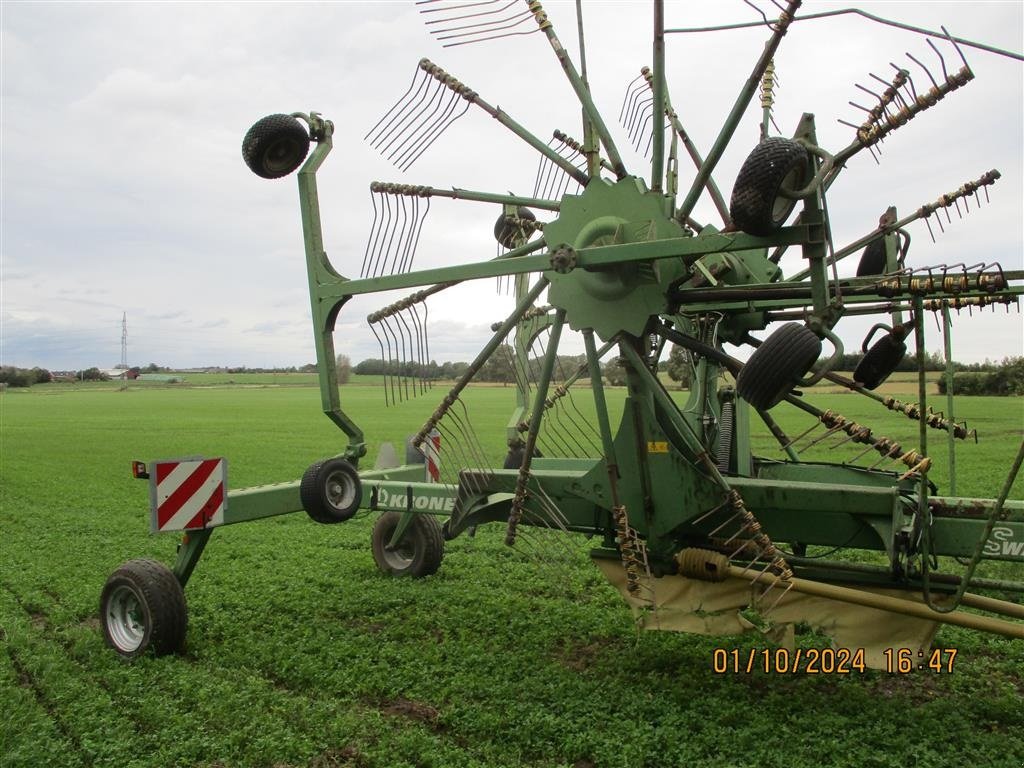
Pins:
<point x="124" y="191"/>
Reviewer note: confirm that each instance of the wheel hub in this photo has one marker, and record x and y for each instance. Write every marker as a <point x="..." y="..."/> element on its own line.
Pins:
<point x="126" y="621"/>
<point x="624" y="296"/>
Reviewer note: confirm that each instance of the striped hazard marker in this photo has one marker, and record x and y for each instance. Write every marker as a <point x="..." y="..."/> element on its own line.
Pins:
<point x="188" y="494"/>
<point x="432" y="451"/>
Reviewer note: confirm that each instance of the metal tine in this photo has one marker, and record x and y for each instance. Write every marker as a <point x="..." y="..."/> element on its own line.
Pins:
<point x="522" y="16"/>
<point x="380" y="343"/>
<point x="410" y="358"/>
<point x="473" y="457"/>
<point x="540" y="169"/>
<point x="631" y="90"/>
<point x="637" y="99"/>
<point x="466" y="5"/>
<point x="479" y="454"/>
<point x="390" y="380"/>
<point x="426" y="340"/>
<point x="538" y="547"/>
<point x="492" y="37"/>
<point x="855" y="458"/>
<point x="648" y="120"/>
<point x="942" y="61"/>
<point x="895" y="451"/>
<point x="480" y="31"/>
<point x="395" y="359"/>
<point x="922" y="66"/>
<point x="789" y="586"/>
<point x="642" y="100"/>
<point x="419" y="329"/>
<point x="468" y="472"/>
<point x="710" y="512"/>
<point x="398" y="119"/>
<point x="802" y="435"/>
<point x="396" y="105"/>
<point x="451" y="442"/>
<point x="928" y="224"/>
<point x="468" y="15"/>
<point x="644" y="114"/>
<point x="462" y="443"/>
<point x="863" y="432"/>
<point x="758" y="556"/>
<point x="554" y="427"/>
<point x="550" y="174"/>
<point x="767" y="23"/>
<point x="433" y="134"/>
<point x="956" y="46"/>
<point x="388" y="251"/>
<point x="381" y="237"/>
<point x="720" y="527"/>
<point x="896" y="94"/>
<point x="399" y="331"/>
<point x="557" y="439"/>
<point x="406" y="243"/>
<point x="419" y="230"/>
<point x="745" y="527"/>
<point x="379" y="219"/>
<point x="369" y="240"/>
<point x="385" y="355"/>
<point x="428" y="133"/>
<point x="594" y="437"/>
<point x="415" y="124"/>
<point x="829" y="433"/>
<point x="395" y="253"/>
<point x="910" y="80"/>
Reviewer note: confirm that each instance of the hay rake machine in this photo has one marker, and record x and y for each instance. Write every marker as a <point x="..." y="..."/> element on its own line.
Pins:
<point x="697" y="533"/>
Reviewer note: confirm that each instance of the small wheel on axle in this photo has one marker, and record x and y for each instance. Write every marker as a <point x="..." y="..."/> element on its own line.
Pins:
<point x="419" y="551"/>
<point x="331" y="491"/>
<point x="142" y="608"/>
<point x="880" y="361"/>
<point x="778" y="365"/>
<point x="758" y="205"/>
<point x="275" y="146"/>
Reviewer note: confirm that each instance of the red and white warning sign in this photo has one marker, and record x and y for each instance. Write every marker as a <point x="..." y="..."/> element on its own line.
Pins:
<point x="188" y="494"/>
<point x="432" y="451"/>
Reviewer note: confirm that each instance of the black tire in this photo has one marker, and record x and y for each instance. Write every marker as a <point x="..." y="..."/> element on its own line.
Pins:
<point x="413" y="455"/>
<point x="872" y="260"/>
<point x="514" y="457"/>
<point x="777" y="365"/>
<point x="756" y="206"/>
<point x="418" y="554"/>
<point x="275" y="146"/>
<point x="331" y="491"/>
<point x="880" y="361"/>
<point x="142" y="608"/>
<point x="506" y="231"/>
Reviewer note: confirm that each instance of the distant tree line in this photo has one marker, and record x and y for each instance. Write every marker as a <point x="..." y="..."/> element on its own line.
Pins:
<point x="24" y="377"/>
<point x="987" y="378"/>
<point x="933" y="361"/>
<point x="1005" y="378"/>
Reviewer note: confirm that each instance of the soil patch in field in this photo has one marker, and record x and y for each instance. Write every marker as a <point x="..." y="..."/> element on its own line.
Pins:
<point x="412" y="710"/>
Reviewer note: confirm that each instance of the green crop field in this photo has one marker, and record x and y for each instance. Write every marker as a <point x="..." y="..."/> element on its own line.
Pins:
<point x="300" y="653"/>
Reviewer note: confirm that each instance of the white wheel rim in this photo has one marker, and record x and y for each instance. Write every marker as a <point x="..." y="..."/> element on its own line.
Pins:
<point x="402" y="555"/>
<point x="125" y="619"/>
<point x="341" y="491"/>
